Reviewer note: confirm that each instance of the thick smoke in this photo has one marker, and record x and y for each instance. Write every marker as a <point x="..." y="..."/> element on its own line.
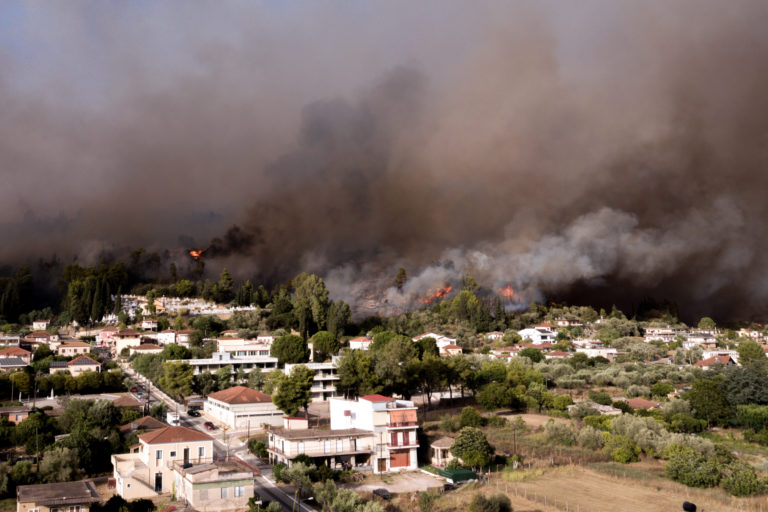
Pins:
<point x="598" y="152"/>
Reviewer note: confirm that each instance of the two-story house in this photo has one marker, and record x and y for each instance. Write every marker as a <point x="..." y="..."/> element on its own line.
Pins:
<point x="149" y="471"/>
<point x="62" y="497"/>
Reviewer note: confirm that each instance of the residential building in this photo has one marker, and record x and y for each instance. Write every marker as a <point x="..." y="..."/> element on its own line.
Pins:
<point x="239" y="347"/>
<point x="538" y="335"/>
<point x="58" y="366"/>
<point x="556" y="354"/>
<point x="149" y="324"/>
<point x="83" y="364"/>
<point x="11" y="364"/>
<point x="73" y="348"/>
<point x="145" y="348"/>
<point x="349" y="448"/>
<point x="665" y="334"/>
<point x="219" y="360"/>
<point x="24" y="355"/>
<point x="149" y="471"/>
<point x="104" y="338"/>
<point x="440" y="340"/>
<point x="494" y="335"/>
<point x="125" y="338"/>
<point x="450" y="350"/>
<point x="360" y="343"/>
<point x="568" y="322"/>
<point x="182" y="337"/>
<point x="15" y="414"/>
<point x="392" y="423"/>
<point x="40" y="325"/>
<point x="215" y="486"/>
<point x="324" y="381"/>
<point x="57" y="497"/>
<point x="42" y="336"/>
<point x="241" y="408"/>
<point x="146" y="424"/>
<point x="706" y="364"/>
<point x="441" y="452"/>
<point x="166" y="337"/>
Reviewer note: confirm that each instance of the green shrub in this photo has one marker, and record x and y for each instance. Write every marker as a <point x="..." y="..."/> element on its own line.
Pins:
<point x="760" y="437"/>
<point x="739" y="479"/>
<point x="590" y="438"/>
<point x="277" y="471"/>
<point x="600" y="397"/>
<point x="470" y="418"/>
<point x="634" y="391"/>
<point x="622" y="449"/>
<point x="599" y="422"/>
<point x="623" y="406"/>
<point x="560" y="433"/>
<point x="450" y="423"/>
<point x="685" y="423"/>
<point x="561" y="402"/>
<point x="497" y="421"/>
<point x="494" y="503"/>
<point x="580" y="411"/>
<point x="258" y="448"/>
<point x="691" y="468"/>
<point x="570" y="382"/>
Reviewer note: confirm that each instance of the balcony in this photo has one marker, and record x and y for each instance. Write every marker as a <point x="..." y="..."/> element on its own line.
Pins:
<point x="403" y="424"/>
<point x="411" y="444"/>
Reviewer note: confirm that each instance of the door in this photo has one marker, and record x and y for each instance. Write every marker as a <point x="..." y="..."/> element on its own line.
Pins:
<point x="186" y="457"/>
<point x="393" y="438"/>
<point x="158" y="482"/>
<point x="405" y="439"/>
<point x="382" y="465"/>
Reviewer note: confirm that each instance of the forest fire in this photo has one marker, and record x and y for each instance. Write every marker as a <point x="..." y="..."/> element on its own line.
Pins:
<point x="440" y="293"/>
<point x="196" y="253"/>
<point x="507" y="292"/>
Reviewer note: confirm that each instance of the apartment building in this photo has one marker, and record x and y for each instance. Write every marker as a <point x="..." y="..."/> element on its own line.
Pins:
<point x="324" y="381"/>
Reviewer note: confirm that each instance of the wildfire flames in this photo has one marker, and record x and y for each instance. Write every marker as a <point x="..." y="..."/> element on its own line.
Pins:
<point x="507" y="292"/>
<point x="196" y="253"/>
<point x="440" y="293"/>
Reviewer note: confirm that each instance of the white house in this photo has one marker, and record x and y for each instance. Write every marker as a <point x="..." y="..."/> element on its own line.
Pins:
<point x="149" y="471"/>
<point x="40" y="325"/>
<point x="360" y="343"/>
<point x="440" y="340"/>
<point x="219" y="360"/>
<point x="538" y="335"/>
<point x="239" y="347"/>
<point x="241" y="408"/>
<point x="166" y="337"/>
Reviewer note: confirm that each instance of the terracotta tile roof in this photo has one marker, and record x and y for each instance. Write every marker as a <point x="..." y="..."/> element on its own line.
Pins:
<point x="377" y="398"/>
<point x="724" y="359"/>
<point x="126" y="401"/>
<point x="642" y="403"/>
<point x="240" y="395"/>
<point x="82" y="361"/>
<point x="558" y="353"/>
<point x="145" y="423"/>
<point x="14" y="352"/>
<point x="174" y="435"/>
<point x="452" y="347"/>
<point x="39" y="334"/>
<point x="361" y="338"/>
<point x="74" y="344"/>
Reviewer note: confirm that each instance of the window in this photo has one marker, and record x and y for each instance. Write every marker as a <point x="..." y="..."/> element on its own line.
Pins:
<point x="239" y="491"/>
<point x="158" y="454"/>
<point x="339" y="445"/>
<point x="201" y="452"/>
<point x="173" y="454"/>
<point x="327" y="446"/>
<point x="75" y="508"/>
<point x="225" y="492"/>
<point x="300" y="448"/>
<point x="353" y="444"/>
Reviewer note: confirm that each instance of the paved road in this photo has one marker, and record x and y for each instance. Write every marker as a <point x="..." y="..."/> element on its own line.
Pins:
<point x="263" y="484"/>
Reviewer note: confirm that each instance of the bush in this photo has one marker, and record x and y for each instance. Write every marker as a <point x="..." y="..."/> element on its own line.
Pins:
<point x="497" y="421"/>
<point x="760" y="437"/>
<point x="622" y="449"/>
<point x="258" y="448"/>
<point x="691" y="468"/>
<point x="739" y="479"/>
<point x="277" y="471"/>
<point x="590" y="438"/>
<point x="634" y="391"/>
<point x="470" y="418"/>
<point x="599" y="422"/>
<point x="450" y="423"/>
<point x="560" y="433"/>
<point x="582" y="410"/>
<point x="570" y="382"/>
<point x="623" y="406"/>
<point x="494" y="503"/>
<point x="561" y="402"/>
<point x="686" y="423"/>
<point x="600" y="397"/>
<point x="662" y="389"/>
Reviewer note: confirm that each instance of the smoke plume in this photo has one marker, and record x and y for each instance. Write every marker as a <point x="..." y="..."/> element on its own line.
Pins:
<point x="596" y="152"/>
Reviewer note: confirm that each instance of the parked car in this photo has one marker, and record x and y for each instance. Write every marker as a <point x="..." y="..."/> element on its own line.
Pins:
<point x="209" y="425"/>
<point x="194" y="413"/>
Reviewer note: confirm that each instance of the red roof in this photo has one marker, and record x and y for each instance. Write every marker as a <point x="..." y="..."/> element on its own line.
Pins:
<point x="558" y="353"/>
<point x="14" y="351"/>
<point x="240" y="395"/>
<point x="452" y="347"/>
<point x="361" y="338"/>
<point x="377" y="398"/>
<point x="724" y="359"/>
<point x="39" y="334"/>
<point x="174" y="435"/>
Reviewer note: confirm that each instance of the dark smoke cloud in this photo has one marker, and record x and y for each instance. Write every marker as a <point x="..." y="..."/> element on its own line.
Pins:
<point x="594" y="152"/>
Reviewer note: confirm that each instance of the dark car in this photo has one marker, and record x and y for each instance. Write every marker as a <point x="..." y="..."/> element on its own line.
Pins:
<point x="383" y="494"/>
<point x="194" y="413"/>
<point x="209" y="425"/>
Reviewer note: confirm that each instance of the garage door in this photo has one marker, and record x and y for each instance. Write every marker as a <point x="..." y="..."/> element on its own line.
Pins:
<point x="399" y="459"/>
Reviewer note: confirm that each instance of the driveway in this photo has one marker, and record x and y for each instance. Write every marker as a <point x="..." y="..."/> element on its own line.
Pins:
<point x="399" y="482"/>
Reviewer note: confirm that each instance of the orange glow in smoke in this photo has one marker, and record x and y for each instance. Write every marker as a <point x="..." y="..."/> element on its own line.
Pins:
<point x="441" y="293"/>
<point x="196" y="253"/>
<point x="507" y="292"/>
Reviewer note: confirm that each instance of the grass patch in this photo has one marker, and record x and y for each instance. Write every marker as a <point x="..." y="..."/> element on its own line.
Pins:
<point x="520" y="475"/>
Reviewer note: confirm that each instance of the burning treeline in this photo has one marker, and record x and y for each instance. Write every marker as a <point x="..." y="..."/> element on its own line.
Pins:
<point x="600" y="152"/>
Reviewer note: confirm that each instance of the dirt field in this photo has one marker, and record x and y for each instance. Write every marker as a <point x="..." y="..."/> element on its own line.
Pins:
<point x="585" y="490"/>
<point x="533" y="420"/>
<point x="399" y="482"/>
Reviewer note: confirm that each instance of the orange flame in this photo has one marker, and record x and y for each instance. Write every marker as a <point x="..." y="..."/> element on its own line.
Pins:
<point x="507" y="292"/>
<point x="441" y="293"/>
<point x="196" y="253"/>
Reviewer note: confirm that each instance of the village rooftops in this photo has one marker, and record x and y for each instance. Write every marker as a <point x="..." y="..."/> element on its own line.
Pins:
<point x="44" y="335"/>
<point x="174" y="435"/>
<point x="443" y="442"/>
<point x="145" y="423"/>
<point x="240" y="395"/>
<point x="14" y="352"/>
<point x="58" y="494"/>
<point x="83" y="361"/>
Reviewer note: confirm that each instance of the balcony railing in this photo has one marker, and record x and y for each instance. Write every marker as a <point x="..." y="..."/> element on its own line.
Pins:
<point x="403" y="424"/>
<point x="410" y="444"/>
